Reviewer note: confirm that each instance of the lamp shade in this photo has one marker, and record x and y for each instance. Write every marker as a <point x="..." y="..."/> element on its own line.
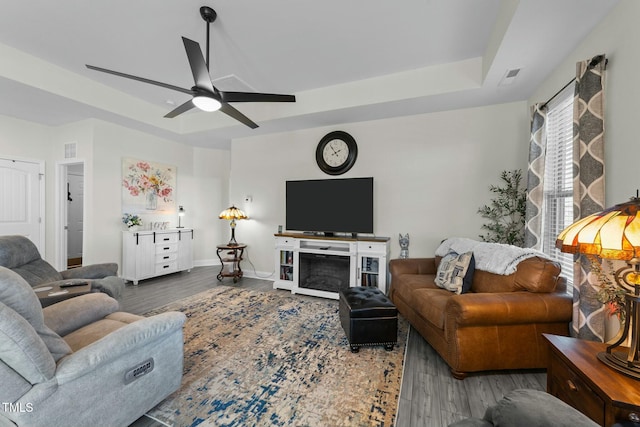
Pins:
<point x="232" y="213"/>
<point x="206" y="103"/>
<point x="613" y="233"/>
<point x="181" y="211"/>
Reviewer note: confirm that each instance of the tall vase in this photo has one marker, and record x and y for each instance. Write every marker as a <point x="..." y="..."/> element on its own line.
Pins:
<point x="152" y="201"/>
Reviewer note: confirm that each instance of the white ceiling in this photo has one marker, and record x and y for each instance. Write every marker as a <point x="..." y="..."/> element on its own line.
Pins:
<point x="346" y="61"/>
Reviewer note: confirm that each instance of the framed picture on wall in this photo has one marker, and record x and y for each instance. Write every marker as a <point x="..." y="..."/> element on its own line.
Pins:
<point x="148" y="187"/>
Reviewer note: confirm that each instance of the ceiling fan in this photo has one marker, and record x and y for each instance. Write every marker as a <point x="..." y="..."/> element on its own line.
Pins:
<point x="205" y="95"/>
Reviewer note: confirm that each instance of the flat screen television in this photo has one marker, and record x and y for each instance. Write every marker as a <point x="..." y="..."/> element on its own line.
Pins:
<point x="330" y="205"/>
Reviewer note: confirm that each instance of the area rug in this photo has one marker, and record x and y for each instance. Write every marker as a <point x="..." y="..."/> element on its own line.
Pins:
<point x="270" y="359"/>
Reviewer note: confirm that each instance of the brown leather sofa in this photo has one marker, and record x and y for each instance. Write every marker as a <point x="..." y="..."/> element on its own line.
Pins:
<point x="497" y="325"/>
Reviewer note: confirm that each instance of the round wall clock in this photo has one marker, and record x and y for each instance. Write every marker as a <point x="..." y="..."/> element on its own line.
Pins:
<point x="336" y="152"/>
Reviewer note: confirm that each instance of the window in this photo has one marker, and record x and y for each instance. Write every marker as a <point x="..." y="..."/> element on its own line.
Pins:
<point x="558" y="178"/>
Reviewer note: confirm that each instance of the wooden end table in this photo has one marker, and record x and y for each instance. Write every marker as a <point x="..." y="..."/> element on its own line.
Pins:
<point x="230" y="255"/>
<point x="578" y="378"/>
<point x="51" y="294"/>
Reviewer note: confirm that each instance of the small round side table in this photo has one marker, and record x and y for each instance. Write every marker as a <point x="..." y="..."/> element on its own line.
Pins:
<point x="230" y="255"/>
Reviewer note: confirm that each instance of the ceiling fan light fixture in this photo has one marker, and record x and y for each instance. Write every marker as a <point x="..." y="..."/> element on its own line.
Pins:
<point x="206" y="103"/>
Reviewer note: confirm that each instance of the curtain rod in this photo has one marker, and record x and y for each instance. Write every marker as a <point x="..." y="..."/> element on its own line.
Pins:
<point x="595" y="61"/>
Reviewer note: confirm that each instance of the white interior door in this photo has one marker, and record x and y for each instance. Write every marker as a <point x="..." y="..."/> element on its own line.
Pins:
<point x="75" y="203"/>
<point x="20" y="200"/>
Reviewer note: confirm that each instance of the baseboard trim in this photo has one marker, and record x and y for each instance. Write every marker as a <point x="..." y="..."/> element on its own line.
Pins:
<point x="264" y="275"/>
<point x="206" y="262"/>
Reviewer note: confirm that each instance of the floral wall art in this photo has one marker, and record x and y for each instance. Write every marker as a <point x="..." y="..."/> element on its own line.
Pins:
<point x="148" y="187"/>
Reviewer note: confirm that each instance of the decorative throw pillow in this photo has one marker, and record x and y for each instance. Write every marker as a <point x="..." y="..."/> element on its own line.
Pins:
<point x="454" y="268"/>
<point x="468" y="276"/>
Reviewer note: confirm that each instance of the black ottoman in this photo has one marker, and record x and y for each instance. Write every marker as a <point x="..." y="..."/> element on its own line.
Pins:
<point x="368" y="317"/>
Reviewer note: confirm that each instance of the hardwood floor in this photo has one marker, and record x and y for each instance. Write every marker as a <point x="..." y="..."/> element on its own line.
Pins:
<point x="430" y="396"/>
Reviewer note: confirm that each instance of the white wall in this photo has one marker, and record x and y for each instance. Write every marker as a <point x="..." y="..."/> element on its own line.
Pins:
<point x="202" y="180"/>
<point x="616" y="36"/>
<point x="431" y="174"/>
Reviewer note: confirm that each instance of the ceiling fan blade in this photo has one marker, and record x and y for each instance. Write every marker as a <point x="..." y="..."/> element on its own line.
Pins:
<point x="198" y="67"/>
<point x="256" y="97"/>
<point x="140" y="79"/>
<point x="180" y="109"/>
<point x="232" y="112"/>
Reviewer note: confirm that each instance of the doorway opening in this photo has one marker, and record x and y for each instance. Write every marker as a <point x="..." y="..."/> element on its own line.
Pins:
<point x="75" y="206"/>
<point x="70" y="219"/>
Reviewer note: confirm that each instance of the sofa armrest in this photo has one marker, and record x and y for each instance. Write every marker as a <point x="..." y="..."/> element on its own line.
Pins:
<point x="94" y="271"/>
<point x="133" y="336"/>
<point x="412" y="266"/>
<point x="507" y="308"/>
<point x="72" y="314"/>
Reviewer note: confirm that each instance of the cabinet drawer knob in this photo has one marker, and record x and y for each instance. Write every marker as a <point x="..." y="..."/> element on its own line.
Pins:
<point x="633" y="417"/>
<point x="572" y="386"/>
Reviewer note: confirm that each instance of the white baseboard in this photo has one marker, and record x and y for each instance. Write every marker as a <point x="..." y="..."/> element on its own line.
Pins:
<point x="206" y="262"/>
<point x="264" y="275"/>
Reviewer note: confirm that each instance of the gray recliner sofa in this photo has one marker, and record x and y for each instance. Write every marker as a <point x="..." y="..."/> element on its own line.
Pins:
<point x="19" y="254"/>
<point x="80" y="362"/>
<point x="530" y="408"/>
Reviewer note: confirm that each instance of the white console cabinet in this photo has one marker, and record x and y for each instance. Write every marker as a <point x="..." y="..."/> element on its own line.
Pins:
<point x="322" y="266"/>
<point x="147" y="254"/>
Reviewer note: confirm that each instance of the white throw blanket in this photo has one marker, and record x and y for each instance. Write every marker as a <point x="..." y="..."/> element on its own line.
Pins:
<point x="495" y="258"/>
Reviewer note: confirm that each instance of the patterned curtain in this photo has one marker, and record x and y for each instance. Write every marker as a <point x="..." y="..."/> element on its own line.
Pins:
<point x="588" y="187"/>
<point x="535" y="179"/>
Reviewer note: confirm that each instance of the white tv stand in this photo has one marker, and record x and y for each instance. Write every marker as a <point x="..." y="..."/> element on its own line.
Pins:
<point x="321" y="266"/>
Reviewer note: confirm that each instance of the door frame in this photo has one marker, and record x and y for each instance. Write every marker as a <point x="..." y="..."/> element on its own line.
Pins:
<point x="43" y="209"/>
<point x="61" y="210"/>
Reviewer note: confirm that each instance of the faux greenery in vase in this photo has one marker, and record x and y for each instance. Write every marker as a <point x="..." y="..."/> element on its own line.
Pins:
<point x="506" y="211"/>
<point x="131" y="221"/>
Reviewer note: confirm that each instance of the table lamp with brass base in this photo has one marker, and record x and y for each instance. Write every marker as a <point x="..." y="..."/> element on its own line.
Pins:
<point x="614" y="233"/>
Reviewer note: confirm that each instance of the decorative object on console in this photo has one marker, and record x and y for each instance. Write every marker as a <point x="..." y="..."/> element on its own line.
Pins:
<point x="131" y="221"/>
<point x="147" y="186"/>
<point x="159" y="225"/>
<point x="180" y="215"/>
<point x="506" y="214"/>
<point x="614" y="233"/>
<point x="232" y="214"/>
<point x="404" y="246"/>
<point x="336" y="153"/>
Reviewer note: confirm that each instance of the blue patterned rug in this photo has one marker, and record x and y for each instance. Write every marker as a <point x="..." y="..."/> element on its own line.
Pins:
<point x="272" y="359"/>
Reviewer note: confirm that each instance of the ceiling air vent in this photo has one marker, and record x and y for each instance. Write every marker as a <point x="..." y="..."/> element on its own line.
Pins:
<point x="509" y="77"/>
<point x="70" y="150"/>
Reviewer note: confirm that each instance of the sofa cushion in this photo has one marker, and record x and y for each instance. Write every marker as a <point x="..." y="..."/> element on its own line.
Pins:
<point x="16" y="251"/>
<point x="524" y="407"/>
<point x="431" y="304"/>
<point x="94" y="331"/>
<point x="20" y="297"/>
<point x="22" y="349"/>
<point x="407" y="283"/>
<point x="452" y="272"/>
<point x="533" y="275"/>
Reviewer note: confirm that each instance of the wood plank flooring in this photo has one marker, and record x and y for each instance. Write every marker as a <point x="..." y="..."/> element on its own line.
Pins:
<point x="430" y="396"/>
